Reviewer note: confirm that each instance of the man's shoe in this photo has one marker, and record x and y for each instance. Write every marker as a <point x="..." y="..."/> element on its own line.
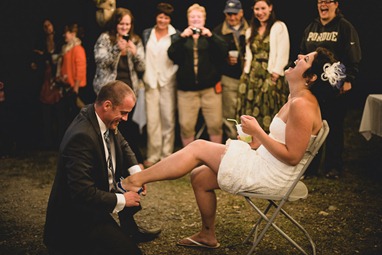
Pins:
<point x="146" y="235"/>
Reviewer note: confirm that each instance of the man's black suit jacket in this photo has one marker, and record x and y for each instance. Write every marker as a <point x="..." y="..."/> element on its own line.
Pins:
<point x="80" y="197"/>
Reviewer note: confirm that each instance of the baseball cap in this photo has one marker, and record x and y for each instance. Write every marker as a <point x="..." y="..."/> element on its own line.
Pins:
<point x="232" y="6"/>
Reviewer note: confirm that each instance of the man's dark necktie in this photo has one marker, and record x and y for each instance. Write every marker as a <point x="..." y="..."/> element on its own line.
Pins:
<point x="109" y="159"/>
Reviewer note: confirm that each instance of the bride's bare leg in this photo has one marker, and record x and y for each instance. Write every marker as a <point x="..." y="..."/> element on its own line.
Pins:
<point x="204" y="182"/>
<point x="199" y="152"/>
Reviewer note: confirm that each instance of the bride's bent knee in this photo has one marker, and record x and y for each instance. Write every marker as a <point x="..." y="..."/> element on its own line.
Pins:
<point x="195" y="177"/>
<point x="199" y="143"/>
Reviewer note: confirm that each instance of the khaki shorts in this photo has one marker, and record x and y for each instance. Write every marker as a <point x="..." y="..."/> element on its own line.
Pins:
<point x="189" y="104"/>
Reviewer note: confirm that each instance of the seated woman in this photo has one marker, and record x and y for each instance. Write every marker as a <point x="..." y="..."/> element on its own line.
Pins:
<point x="265" y="164"/>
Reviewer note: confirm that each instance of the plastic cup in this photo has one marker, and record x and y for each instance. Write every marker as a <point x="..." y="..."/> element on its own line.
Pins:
<point x="233" y="53"/>
<point x="243" y="136"/>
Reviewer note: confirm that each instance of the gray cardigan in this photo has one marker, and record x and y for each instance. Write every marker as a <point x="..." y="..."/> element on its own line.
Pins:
<point x="107" y="57"/>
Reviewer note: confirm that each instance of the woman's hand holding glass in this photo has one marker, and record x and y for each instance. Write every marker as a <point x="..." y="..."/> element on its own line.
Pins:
<point x="250" y="126"/>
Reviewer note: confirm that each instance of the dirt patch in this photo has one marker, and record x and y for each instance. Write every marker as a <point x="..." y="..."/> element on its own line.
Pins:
<point x="343" y="216"/>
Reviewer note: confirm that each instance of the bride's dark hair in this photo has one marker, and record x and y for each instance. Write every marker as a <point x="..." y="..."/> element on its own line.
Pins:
<point x="329" y="71"/>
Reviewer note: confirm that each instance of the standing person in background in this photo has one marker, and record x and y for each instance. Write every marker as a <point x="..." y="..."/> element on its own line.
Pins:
<point x="160" y="86"/>
<point x="332" y="31"/>
<point x="71" y="76"/>
<point x="199" y="53"/>
<point x="47" y="51"/>
<point x="119" y="55"/>
<point x="232" y="30"/>
<point x="263" y="89"/>
<point x="46" y="48"/>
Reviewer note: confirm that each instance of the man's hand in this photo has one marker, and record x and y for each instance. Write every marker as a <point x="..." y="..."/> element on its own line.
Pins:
<point x="132" y="198"/>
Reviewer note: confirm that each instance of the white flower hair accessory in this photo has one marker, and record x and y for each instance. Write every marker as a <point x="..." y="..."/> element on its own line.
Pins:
<point x="334" y="73"/>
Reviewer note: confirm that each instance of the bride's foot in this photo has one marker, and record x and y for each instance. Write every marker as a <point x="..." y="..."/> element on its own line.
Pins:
<point x="197" y="241"/>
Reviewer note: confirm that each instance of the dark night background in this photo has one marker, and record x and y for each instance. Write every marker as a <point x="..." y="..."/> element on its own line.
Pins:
<point x="21" y="26"/>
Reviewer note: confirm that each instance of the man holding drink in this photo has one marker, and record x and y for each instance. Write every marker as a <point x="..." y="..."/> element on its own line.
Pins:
<point x="232" y="30"/>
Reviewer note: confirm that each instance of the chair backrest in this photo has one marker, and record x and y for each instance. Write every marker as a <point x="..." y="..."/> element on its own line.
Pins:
<point x="313" y="148"/>
<point x="298" y="189"/>
<point x="320" y="139"/>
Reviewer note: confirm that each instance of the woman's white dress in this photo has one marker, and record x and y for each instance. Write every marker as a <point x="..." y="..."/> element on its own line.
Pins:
<point x="245" y="169"/>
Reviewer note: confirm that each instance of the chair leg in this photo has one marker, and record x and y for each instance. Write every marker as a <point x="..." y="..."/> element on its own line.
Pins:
<point x="266" y="227"/>
<point x="257" y="224"/>
<point x="270" y="222"/>
<point x="263" y="216"/>
<point x="313" y="246"/>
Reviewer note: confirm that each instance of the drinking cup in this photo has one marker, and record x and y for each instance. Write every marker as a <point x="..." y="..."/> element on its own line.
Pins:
<point x="243" y="136"/>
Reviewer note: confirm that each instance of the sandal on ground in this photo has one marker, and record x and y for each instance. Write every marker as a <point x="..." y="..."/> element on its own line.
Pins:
<point x="193" y="243"/>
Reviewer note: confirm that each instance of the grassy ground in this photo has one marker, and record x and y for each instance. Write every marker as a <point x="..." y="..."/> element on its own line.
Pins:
<point x="343" y="216"/>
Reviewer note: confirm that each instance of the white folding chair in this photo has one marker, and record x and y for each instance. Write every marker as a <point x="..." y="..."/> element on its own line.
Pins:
<point x="297" y="191"/>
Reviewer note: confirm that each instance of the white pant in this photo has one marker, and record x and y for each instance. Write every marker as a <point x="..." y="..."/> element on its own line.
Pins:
<point x="160" y="111"/>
